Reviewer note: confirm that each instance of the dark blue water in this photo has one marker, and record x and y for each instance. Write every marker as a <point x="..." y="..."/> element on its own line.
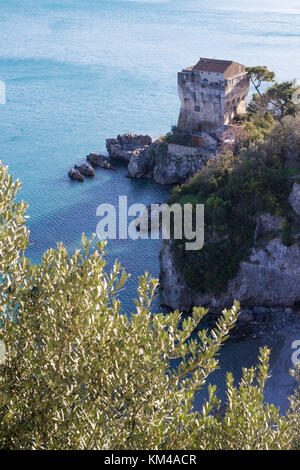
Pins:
<point x="79" y="71"/>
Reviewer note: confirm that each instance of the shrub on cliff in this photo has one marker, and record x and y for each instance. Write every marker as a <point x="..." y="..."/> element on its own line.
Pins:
<point x="79" y="374"/>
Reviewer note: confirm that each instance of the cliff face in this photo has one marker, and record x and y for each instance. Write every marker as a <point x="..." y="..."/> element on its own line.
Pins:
<point x="166" y="164"/>
<point x="271" y="277"/>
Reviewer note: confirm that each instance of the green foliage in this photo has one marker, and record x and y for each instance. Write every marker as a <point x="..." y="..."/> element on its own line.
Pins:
<point x="13" y="233"/>
<point x="281" y="100"/>
<point x="241" y="184"/>
<point x="277" y="143"/>
<point x="158" y="150"/>
<point x="259" y="74"/>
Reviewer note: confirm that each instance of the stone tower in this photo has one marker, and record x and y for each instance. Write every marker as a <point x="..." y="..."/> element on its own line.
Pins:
<point x="212" y="94"/>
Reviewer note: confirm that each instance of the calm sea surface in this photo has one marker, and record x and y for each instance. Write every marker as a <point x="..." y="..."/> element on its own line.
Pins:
<point x="79" y="71"/>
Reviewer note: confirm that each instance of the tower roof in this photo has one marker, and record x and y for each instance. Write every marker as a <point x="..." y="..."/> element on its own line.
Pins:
<point x="228" y="67"/>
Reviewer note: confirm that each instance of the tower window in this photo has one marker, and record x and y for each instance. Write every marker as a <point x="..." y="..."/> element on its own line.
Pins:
<point x="197" y="109"/>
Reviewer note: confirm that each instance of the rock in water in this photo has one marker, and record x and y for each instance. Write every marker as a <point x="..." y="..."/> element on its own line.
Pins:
<point x="75" y="175"/>
<point x="124" y="145"/>
<point x="85" y="169"/>
<point x="99" y="160"/>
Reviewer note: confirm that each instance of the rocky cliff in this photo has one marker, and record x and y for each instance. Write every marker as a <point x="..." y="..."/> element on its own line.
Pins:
<point x="269" y="278"/>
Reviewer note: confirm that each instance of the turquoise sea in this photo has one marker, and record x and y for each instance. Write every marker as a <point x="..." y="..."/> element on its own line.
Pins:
<point x="79" y="71"/>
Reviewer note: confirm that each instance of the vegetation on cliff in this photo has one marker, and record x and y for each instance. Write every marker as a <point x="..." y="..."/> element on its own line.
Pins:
<point x="79" y="374"/>
<point x="250" y="178"/>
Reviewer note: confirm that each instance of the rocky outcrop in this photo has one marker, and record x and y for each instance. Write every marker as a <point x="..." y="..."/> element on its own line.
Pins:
<point x="166" y="164"/>
<point x="85" y="169"/>
<point x="270" y="278"/>
<point x="75" y="175"/>
<point x="294" y="198"/>
<point x="142" y="163"/>
<point x="99" y="160"/>
<point x="125" y="144"/>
